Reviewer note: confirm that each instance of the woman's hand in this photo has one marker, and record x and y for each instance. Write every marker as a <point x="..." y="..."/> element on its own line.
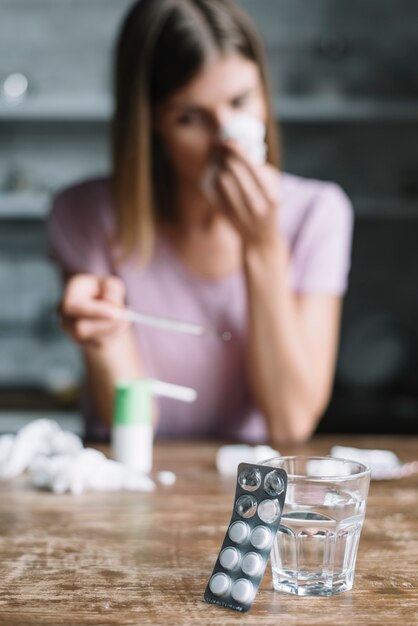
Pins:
<point x="89" y="306"/>
<point x="249" y="195"/>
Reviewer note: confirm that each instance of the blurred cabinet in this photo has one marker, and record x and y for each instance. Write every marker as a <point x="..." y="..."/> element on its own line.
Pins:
<point x="54" y="113"/>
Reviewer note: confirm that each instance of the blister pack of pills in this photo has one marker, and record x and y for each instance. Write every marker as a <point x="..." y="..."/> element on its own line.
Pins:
<point x="258" y="504"/>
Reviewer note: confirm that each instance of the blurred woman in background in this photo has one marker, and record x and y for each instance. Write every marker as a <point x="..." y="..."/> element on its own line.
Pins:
<point x="191" y="227"/>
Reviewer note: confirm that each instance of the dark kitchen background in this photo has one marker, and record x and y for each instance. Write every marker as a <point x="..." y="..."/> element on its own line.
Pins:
<point x="345" y="79"/>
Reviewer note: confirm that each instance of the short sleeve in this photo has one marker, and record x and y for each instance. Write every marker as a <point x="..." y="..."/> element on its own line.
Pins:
<point x="321" y="255"/>
<point x="77" y="233"/>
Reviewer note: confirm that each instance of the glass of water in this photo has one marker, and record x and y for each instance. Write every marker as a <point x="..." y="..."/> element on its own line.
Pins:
<point x="314" y="553"/>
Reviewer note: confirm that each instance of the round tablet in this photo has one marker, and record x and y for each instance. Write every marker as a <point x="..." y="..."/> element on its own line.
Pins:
<point x="242" y="591"/>
<point x="261" y="538"/>
<point x="219" y="584"/>
<point x="238" y="532"/>
<point x="246" y="506"/>
<point x="229" y="558"/>
<point x="268" y="511"/>
<point x="250" y="479"/>
<point x="252" y="564"/>
<point x="273" y="483"/>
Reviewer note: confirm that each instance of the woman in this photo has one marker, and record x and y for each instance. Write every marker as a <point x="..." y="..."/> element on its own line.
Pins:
<point x="256" y="252"/>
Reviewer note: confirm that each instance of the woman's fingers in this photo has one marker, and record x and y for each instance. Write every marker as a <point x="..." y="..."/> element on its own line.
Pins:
<point x="253" y="197"/>
<point x="233" y="201"/>
<point x="89" y="308"/>
<point x="113" y="290"/>
<point x="265" y="180"/>
<point x="247" y="197"/>
<point x="84" y="330"/>
<point x="83" y="297"/>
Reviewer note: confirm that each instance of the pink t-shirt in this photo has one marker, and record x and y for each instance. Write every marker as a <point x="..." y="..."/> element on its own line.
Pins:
<point x="316" y="220"/>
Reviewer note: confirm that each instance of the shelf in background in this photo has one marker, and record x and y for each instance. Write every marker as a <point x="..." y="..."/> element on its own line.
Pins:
<point x="335" y="109"/>
<point x="289" y="109"/>
<point x="57" y="109"/>
<point x="12" y="421"/>
<point x="384" y="208"/>
<point x="15" y="206"/>
<point x="24" y="205"/>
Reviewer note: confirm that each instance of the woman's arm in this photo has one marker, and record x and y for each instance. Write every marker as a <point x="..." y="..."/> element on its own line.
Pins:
<point x="292" y="339"/>
<point x="106" y="364"/>
<point x="292" y="345"/>
<point x="88" y="316"/>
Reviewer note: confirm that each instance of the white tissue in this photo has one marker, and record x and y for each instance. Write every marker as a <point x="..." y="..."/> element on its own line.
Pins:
<point x="249" y="133"/>
<point x="40" y="437"/>
<point x="384" y="464"/>
<point x="57" y="461"/>
<point x="229" y="457"/>
<point x="328" y="467"/>
<point x="89" y="470"/>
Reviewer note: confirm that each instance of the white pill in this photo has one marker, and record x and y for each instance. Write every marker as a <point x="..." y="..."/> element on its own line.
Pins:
<point x="219" y="584"/>
<point x="268" y="511"/>
<point x="167" y="478"/>
<point x="229" y="558"/>
<point x="238" y="532"/>
<point x="261" y="538"/>
<point x="242" y="591"/>
<point x="252" y="564"/>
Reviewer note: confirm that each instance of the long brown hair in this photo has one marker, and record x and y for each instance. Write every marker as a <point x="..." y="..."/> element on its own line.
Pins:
<point x="162" y="45"/>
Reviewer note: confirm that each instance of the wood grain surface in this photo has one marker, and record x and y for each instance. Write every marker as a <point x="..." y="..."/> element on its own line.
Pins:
<point x="144" y="559"/>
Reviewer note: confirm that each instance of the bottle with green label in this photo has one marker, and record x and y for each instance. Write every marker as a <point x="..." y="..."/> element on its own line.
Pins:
<point x="132" y="426"/>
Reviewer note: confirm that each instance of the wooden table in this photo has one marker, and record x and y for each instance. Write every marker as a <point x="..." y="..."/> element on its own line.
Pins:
<point x="133" y="558"/>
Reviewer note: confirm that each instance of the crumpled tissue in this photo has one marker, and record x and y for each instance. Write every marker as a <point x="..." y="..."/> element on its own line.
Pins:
<point x="249" y="133"/>
<point x="229" y="457"/>
<point x="40" y="437"/>
<point x="57" y="461"/>
<point x="384" y="464"/>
